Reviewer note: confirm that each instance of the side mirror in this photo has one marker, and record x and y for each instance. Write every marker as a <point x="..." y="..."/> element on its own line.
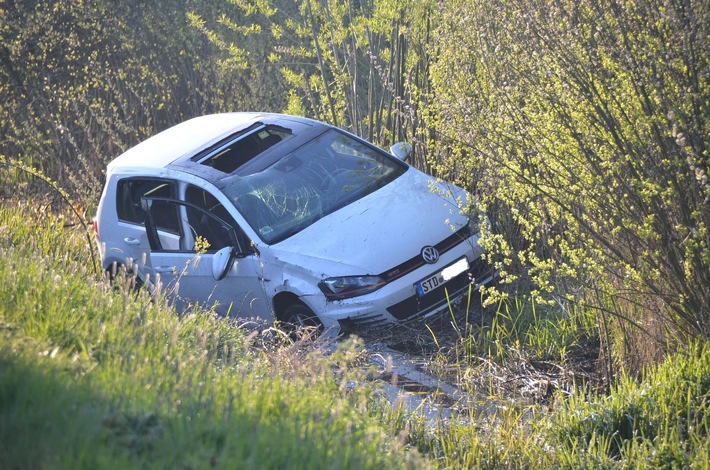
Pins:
<point x="222" y="263"/>
<point x="401" y="150"/>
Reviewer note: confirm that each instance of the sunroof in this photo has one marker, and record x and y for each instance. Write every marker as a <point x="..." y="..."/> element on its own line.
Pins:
<point x="244" y="147"/>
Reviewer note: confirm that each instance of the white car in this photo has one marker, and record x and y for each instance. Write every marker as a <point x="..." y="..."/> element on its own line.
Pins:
<point x="290" y="219"/>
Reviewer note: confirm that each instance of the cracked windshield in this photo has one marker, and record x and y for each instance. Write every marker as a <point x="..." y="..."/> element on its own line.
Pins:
<point x="327" y="173"/>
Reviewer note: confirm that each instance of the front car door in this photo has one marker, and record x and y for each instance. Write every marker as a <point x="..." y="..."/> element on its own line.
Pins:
<point x="186" y="273"/>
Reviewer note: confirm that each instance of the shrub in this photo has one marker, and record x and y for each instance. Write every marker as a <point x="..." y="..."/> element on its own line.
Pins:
<point x="586" y="125"/>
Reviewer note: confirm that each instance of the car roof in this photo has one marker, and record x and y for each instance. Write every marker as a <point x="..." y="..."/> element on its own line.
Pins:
<point x="180" y="142"/>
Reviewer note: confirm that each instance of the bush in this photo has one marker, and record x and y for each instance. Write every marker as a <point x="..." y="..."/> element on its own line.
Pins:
<point x="587" y="125"/>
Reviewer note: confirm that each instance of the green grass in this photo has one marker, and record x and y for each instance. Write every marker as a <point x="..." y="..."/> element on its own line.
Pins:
<point x="661" y="421"/>
<point x="518" y="344"/>
<point x="98" y="377"/>
<point x="658" y="419"/>
<point x="540" y="332"/>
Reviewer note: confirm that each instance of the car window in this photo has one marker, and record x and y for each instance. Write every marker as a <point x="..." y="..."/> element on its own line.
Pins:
<point x="202" y="206"/>
<point x="129" y="192"/>
<point x="327" y="173"/>
<point x="240" y="151"/>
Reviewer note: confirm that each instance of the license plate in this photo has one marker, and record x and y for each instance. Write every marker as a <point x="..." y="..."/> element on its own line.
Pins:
<point x="442" y="277"/>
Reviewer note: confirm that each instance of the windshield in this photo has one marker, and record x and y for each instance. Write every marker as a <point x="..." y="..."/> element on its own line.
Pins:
<point x="329" y="172"/>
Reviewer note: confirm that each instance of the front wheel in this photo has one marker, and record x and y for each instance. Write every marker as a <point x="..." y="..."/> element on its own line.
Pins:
<point x="298" y="316"/>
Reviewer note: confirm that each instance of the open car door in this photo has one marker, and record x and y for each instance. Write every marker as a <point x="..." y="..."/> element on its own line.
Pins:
<point x="215" y="265"/>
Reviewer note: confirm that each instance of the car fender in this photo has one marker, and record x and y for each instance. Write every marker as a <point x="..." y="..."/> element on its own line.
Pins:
<point x="297" y="281"/>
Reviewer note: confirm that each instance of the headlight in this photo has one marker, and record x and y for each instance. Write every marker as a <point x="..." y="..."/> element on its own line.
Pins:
<point x="337" y="288"/>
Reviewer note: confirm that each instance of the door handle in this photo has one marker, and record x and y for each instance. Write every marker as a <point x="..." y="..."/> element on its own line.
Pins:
<point x="164" y="269"/>
<point x="132" y="241"/>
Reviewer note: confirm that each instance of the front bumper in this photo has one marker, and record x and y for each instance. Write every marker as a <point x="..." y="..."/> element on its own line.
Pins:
<point x="415" y="307"/>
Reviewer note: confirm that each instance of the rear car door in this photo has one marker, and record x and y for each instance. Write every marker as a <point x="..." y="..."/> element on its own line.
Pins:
<point x="132" y="246"/>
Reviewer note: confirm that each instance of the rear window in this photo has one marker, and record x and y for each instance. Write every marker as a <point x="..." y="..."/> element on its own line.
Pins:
<point x="129" y="192"/>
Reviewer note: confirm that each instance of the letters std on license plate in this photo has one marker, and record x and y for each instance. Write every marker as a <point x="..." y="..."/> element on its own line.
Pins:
<point x="432" y="282"/>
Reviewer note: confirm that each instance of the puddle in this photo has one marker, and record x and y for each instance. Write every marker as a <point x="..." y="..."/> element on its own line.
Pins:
<point x="405" y="384"/>
<point x="402" y="355"/>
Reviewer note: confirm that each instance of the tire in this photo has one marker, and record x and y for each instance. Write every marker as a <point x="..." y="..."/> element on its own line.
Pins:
<point x="297" y="316"/>
<point x="118" y="272"/>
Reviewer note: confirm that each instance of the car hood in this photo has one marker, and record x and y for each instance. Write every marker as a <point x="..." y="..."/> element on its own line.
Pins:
<point x="379" y="231"/>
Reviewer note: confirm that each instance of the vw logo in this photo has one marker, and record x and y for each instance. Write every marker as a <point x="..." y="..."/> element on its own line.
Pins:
<point x="430" y="254"/>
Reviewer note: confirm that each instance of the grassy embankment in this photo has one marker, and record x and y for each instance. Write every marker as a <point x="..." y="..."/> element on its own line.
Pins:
<point x="95" y="377"/>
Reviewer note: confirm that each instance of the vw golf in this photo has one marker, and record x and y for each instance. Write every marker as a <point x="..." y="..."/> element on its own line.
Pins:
<point x="286" y="218"/>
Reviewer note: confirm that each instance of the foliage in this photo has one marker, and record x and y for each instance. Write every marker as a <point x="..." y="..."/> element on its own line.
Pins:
<point x="586" y="125"/>
<point x="81" y="82"/>
<point x="94" y="376"/>
<point x="72" y="206"/>
<point x="358" y="65"/>
<point x="581" y="127"/>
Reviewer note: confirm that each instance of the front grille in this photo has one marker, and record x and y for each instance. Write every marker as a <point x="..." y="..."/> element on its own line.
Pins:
<point x="442" y="247"/>
<point x="416" y="306"/>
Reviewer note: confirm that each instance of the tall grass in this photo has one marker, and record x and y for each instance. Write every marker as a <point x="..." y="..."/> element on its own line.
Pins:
<point x="99" y="377"/>
<point x="661" y="421"/>
<point x="94" y="376"/>
<point x="522" y="349"/>
<point x="531" y="404"/>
